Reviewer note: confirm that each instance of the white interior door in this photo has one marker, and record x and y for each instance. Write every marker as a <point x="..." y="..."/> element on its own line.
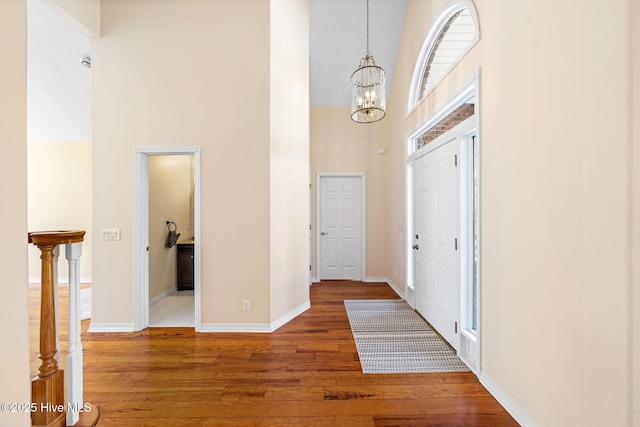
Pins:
<point x="437" y="225"/>
<point x="340" y="226"/>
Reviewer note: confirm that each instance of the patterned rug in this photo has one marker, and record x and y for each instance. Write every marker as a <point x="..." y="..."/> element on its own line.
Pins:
<point x="392" y="338"/>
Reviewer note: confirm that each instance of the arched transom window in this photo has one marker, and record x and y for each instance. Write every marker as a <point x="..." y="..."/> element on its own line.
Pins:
<point x="453" y="34"/>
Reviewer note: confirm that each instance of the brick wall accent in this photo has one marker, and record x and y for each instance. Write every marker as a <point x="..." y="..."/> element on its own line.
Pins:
<point x="457" y="116"/>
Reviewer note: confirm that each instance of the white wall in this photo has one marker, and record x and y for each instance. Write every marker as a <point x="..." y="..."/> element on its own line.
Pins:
<point x="15" y="385"/>
<point x="170" y="179"/>
<point x="289" y="156"/>
<point x="554" y="199"/>
<point x="58" y="86"/>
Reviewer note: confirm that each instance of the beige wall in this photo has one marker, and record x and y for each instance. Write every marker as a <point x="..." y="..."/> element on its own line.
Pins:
<point x="147" y="91"/>
<point x="289" y="155"/>
<point x="170" y="184"/>
<point x="14" y="307"/>
<point x="338" y="144"/>
<point x="635" y="220"/>
<point x="169" y="73"/>
<point x="59" y="194"/>
<point x="554" y="199"/>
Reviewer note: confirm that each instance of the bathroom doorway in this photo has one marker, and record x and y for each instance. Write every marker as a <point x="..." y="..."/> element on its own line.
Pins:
<point x="171" y="241"/>
<point x="167" y="271"/>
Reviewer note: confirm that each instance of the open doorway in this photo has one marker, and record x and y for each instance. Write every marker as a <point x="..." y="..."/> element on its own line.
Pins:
<point x="171" y="241"/>
<point x="167" y="190"/>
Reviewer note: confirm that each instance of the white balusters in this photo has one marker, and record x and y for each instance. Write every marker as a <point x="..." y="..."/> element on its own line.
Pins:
<point x="73" y="368"/>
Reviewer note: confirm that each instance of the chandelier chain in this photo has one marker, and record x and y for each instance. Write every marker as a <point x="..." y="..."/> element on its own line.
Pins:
<point x="367" y="27"/>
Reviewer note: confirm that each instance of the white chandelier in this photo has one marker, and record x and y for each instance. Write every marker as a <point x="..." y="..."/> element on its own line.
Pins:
<point x="368" y="102"/>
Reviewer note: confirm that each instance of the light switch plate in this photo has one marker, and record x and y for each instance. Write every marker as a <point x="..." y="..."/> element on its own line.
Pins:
<point x="109" y="234"/>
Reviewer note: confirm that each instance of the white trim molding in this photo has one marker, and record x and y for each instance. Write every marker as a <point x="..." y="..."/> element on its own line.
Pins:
<point x="265" y="328"/>
<point x="141" y="230"/>
<point x="375" y="279"/>
<point x="452" y="7"/>
<point x="389" y="282"/>
<point x="397" y="290"/>
<point x="469" y="350"/>
<point x="290" y="316"/>
<point x="507" y="402"/>
<point x="62" y="280"/>
<point x="110" y="327"/>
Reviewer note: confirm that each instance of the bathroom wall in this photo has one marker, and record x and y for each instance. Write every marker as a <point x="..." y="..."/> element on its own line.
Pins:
<point x="170" y="199"/>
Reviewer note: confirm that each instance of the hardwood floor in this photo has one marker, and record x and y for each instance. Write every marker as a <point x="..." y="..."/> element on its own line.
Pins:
<point x="305" y="374"/>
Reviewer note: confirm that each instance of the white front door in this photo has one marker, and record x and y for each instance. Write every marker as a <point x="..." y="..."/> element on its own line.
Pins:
<point x="437" y="225"/>
<point x="340" y="227"/>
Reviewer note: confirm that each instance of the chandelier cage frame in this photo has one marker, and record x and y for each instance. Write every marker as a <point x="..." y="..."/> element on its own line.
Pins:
<point x="368" y="97"/>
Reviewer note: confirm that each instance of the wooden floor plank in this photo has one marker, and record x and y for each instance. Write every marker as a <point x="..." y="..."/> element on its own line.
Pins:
<point x="307" y="373"/>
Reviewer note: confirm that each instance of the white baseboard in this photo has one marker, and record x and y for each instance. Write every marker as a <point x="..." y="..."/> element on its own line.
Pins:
<point x="290" y="316"/>
<point x="162" y="295"/>
<point x="61" y="280"/>
<point x="236" y="327"/>
<point x="519" y="414"/>
<point x="396" y="289"/>
<point x="110" y="327"/>
<point x="256" y="327"/>
<point x="314" y="280"/>
<point x="375" y="279"/>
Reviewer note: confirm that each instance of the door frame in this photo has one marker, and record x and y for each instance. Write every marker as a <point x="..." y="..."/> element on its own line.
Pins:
<point x="470" y="340"/>
<point x="141" y="231"/>
<point x="363" y="219"/>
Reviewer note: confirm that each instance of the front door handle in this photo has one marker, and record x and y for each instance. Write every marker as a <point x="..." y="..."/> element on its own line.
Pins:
<point x="415" y="247"/>
<point x="323" y="233"/>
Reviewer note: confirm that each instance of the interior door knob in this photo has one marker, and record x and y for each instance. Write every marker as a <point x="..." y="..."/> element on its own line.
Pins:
<point x="323" y="233"/>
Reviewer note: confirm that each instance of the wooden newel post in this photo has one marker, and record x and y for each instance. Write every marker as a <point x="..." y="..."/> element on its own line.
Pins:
<point x="47" y="389"/>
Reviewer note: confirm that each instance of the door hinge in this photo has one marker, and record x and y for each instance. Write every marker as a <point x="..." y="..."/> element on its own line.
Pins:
<point x="455" y="160"/>
<point x="455" y="243"/>
<point x="455" y="326"/>
<point x="309" y="268"/>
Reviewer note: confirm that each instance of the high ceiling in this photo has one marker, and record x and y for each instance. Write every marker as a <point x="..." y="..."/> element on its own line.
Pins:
<point x="337" y="38"/>
<point x="59" y="86"/>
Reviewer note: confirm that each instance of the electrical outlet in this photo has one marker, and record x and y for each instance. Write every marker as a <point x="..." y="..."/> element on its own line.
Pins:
<point x="109" y="234"/>
<point x="246" y="306"/>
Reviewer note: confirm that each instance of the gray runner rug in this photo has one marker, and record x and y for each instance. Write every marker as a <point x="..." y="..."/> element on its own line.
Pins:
<point x="392" y="338"/>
